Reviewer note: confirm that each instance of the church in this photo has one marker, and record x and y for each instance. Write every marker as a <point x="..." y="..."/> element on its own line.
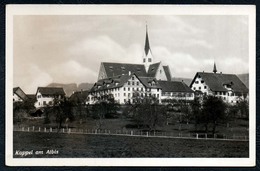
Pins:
<point x="124" y="81"/>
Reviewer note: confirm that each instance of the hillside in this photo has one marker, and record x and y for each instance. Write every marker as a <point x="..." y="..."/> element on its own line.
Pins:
<point x="69" y="88"/>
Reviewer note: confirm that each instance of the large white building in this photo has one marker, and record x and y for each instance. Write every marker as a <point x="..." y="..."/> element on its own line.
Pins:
<point x="227" y="86"/>
<point x="124" y="81"/>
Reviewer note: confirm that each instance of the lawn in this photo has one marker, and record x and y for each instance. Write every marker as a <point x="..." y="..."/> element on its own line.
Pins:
<point x="75" y="145"/>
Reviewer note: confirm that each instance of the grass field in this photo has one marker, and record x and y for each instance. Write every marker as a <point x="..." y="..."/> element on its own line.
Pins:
<point x="73" y="145"/>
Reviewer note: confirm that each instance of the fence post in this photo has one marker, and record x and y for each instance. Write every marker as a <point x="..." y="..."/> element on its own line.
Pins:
<point x="131" y="133"/>
<point x="63" y="130"/>
<point x="69" y="131"/>
<point x="45" y="129"/>
<point x="96" y="131"/>
<point x="33" y="128"/>
<point x="147" y="133"/>
<point x="197" y="136"/>
<point x="50" y="129"/>
<point x="109" y="131"/>
<point x="28" y="129"/>
<point x="206" y="136"/>
<point x="39" y="129"/>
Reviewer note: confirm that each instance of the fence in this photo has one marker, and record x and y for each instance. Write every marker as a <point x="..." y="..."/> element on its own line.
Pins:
<point x="134" y="133"/>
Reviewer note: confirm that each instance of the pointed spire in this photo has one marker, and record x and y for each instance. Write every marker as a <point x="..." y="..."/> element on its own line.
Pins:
<point x="147" y="45"/>
<point x="214" y="68"/>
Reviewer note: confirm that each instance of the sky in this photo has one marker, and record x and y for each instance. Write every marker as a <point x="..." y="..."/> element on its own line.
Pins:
<point x="69" y="49"/>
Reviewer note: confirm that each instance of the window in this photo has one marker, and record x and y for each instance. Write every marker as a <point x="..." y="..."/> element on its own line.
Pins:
<point x="137" y="83"/>
<point x="199" y="88"/>
<point x="224" y="93"/>
<point x="128" y="82"/>
<point x="128" y="94"/>
<point x="157" y="89"/>
<point x="144" y="59"/>
<point x="133" y="89"/>
<point x="128" y="88"/>
<point x="202" y="81"/>
<point x="125" y="100"/>
<point x="124" y="88"/>
<point x="149" y="60"/>
<point x="133" y="78"/>
<point x="137" y="89"/>
<point x="50" y="102"/>
<point x="133" y="83"/>
<point x="157" y="95"/>
<point x="194" y="88"/>
<point x="39" y="96"/>
<point x="142" y="89"/>
<point x="205" y="87"/>
<point x="124" y="94"/>
<point x="118" y="94"/>
<point x="196" y="82"/>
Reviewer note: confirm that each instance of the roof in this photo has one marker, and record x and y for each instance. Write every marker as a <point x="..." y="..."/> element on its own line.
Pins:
<point x="116" y="69"/>
<point x="174" y="86"/>
<point x="153" y="69"/>
<point x="216" y="81"/>
<point x="147" y="45"/>
<point x="79" y="96"/>
<point x="51" y="90"/>
<point x="31" y="96"/>
<point x="119" y="81"/>
<point x="147" y="82"/>
<point x="167" y="73"/>
<point x="19" y="92"/>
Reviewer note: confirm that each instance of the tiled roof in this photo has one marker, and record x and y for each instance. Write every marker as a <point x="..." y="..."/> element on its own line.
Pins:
<point x="167" y="73"/>
<point x="79" y="96"/>
<point x="19" y="92"/>
<point x="115" y="69"/>
<point x="153" y="69"/>
<point x="216" y="81"/>
<point x="174" y="86"/>
<point x="147" y="82"/>
<point x="51" y="90"/>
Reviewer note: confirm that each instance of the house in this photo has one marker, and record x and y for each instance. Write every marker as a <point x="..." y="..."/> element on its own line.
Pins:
<point x="46" y="95"/>
<point x="124" y="88"/>
<point x="227" y="86"/>
<point x="148" y="68"/>
<point x="175" y="90"/>
<point x="79" y="97"/>
<point x="19" y="95"/>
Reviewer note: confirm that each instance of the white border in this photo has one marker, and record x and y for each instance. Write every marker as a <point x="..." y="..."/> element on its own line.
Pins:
<point x="12" y="10"/>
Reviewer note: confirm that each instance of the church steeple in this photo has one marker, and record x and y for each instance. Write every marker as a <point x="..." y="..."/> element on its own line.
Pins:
<point x="214" y="68"/>
<point x="147" y="45"/>
<point x="147" y="57"/>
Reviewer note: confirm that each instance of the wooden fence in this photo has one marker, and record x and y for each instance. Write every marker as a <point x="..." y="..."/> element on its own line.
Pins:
<point x="134" y="133"/>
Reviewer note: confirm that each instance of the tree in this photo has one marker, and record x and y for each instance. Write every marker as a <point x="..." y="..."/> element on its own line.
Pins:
<point x="214" y="110"/>
<point x="148" y="112"/>
<point x="243" y="108"/>
<point x="196" y="110"/>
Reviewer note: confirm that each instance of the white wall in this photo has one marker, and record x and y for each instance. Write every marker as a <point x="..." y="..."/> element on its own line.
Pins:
<point x="16" y="98"/>
<point x="41" y="100"/>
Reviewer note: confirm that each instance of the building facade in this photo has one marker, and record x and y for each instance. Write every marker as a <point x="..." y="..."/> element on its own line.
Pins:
<point x="45" y="96"/>
<point x="226" y="86"/>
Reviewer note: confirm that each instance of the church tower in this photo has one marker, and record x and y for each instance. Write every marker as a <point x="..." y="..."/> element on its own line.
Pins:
<point x="147" y="56"/>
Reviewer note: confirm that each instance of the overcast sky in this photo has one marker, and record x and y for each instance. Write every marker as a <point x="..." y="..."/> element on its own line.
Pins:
<point x="69" y="49"/>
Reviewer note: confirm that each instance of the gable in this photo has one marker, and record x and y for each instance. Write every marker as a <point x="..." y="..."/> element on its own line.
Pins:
<point x="160" y="74"/>
<point x="102" y="72"/>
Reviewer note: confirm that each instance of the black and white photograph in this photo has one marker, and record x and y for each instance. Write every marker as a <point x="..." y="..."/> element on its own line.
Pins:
<point x="145" y="85"/>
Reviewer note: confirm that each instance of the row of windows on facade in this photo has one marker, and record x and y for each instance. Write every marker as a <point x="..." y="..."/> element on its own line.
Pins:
<point x="126" y="89"/>
<point x="40" y="96"/>
<point x="129" y="95"/>
<point x="194" y="88"/>
<point x="149" y="60"/>
<point x="197" y="82"/>
<point x="177" y="94"/>
<point x="45" y="103"/>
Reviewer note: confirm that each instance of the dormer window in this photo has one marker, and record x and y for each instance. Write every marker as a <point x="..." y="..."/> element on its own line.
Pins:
<point x="149" y="60"/>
